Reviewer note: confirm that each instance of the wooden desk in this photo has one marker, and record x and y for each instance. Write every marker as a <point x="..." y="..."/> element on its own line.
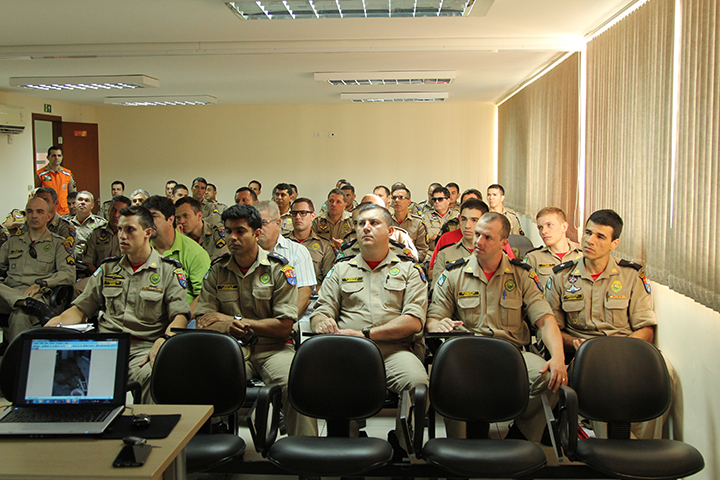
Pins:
<point x="90" y="458"/>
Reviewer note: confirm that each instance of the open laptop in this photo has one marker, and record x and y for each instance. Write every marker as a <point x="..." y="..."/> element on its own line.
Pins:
<point x="68" y="385"/>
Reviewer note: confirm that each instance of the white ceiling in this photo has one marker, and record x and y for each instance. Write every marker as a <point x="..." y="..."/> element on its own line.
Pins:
<point x="199" y="47"/>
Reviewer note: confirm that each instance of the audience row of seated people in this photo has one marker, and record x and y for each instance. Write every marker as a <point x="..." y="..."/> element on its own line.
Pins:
<point x="386" y="269"/>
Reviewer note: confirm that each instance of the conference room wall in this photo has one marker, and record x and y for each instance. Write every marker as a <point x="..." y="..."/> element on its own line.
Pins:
<point x="231" y="145"/>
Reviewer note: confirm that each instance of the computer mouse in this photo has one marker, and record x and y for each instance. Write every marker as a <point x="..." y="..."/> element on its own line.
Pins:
<point x="141" y="421"/>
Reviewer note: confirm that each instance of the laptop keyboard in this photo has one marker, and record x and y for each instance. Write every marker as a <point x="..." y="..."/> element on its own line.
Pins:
<point x="21" y="415"/>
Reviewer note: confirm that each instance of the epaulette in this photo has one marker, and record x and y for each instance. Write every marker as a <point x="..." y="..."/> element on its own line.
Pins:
<point x="533" y="250"/>
<point x="625" y="263"/>
<point x="407" y="258"/>
<point x="111" y="259"/>
<point x="278" y="258"/>
<point x="562" y="266"/>
<point x="519" y="263"/>
<point x="221" y="258"/>
<point x="172" y="261"/>
<point x="348" y="235"/>
<point x="349" y="244"/>
<point x="291" y="239"/>
<point x="396" y="243"/>
<point x="456" y="263"/>
<point x="344" y="259"/>
<point x="445" y="246"/>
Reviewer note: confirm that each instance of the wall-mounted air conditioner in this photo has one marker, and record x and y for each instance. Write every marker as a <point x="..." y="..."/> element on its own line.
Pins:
<point x="12" y="119"/>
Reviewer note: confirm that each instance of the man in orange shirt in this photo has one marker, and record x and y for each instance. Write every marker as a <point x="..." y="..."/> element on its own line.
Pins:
<point x="56" y="177"/>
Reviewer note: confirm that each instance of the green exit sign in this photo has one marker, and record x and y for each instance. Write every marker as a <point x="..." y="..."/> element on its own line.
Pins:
<point x="47" y="108"/>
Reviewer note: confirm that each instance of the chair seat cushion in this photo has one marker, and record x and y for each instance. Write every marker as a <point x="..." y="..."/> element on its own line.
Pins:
<point x="330" y="456"/>
<point x="640" y="459"/>
<point x="485" y="457"/>
<point x="209" y="450"/>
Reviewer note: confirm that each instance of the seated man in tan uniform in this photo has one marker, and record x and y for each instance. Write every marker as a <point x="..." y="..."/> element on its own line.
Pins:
<point x="470" y="213"/>
<point x="495" y="198"/>
<point x="552" y="226"/>
<point x="379" y="295"/>
<point x="252" y="291"/>
<point x="34" y="261"/>
<point x="141" y="292"/>
<point x="598" y="295"/>
<point x="321" y="251"/>
<point x="334" y="224"/>
<point x="190" y="221"/>
<point x="488" y="294"/>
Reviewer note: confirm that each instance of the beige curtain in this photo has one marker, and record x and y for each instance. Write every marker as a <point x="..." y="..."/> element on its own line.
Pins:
<point x="538" y="143"/>
<point x="629" y="125"/>
<point x="693" y="248"/>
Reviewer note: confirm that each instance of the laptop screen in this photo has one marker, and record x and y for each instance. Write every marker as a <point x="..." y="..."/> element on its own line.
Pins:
<point x="73" y="370"/>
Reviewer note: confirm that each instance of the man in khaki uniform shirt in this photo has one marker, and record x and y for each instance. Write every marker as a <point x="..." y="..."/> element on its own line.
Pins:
<point x="471" y="212"/>
<point x="488" y="294"/>
<point x="411" y="223"/>
<point x="439" y="215"/>
<point x="252" y="291"/>
<point x="190" y="222"/>
<point x="334" y="224"/>
<point x="599" y="295"/>
<point x="103" y="242"/>
<point x="141" y="293"/>
<point x="378" y="295"/>
<point x="34" y="261"/>
<point x="85" y="222"/>
<point x="495" y="198"/>
<point x="321" y="251"/>
<point x="57" y="224"/>
<point x="282" y="195"/>
<point x="210" y="210"/>
<point x="552" y="226"/>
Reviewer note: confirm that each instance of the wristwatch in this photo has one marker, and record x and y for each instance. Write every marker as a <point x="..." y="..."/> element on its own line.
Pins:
<point x="238" y="317"/>
<point x="366" y="332"/>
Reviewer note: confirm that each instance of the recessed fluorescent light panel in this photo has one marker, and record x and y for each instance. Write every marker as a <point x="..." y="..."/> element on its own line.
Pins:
<point x="299" y="9"/>
<point x="98" y="82"/>
<point x="154" y="101"/>
<point x="387" y="78"/>
<point x="381" y="97"/>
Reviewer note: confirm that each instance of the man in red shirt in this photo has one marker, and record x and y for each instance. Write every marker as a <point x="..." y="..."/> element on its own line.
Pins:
<point x="56" y="177"/>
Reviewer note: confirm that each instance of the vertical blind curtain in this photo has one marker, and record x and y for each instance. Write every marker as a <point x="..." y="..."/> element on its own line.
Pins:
<point x="628" y="134"/>
<point x="693" y="246"/>
<point x="538" y="143"/>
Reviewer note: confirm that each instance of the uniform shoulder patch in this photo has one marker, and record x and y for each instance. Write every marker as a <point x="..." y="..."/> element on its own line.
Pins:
<point x="562" y="266"/>
<point x="625" y="263"/>
<point x="422" y="273"/>
<point x="278" y="258"/>
<point x="172" y="261"/>
<point x="347" y="245"/>
<point x="289" y="273"/>
<point x="456" y="263"/>
<point x="111" y="259"/>
<point x="344" y="259"/>
<point x="221" y="258"/>
<point x="520" y="264"/>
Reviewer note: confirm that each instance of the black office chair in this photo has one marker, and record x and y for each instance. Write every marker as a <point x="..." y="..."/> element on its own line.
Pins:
<point x="520" y="243"/>
<point x="203" y="368"/>
<point x="479" y="381"/>
<point x="338" y="378"/>
<point x="620" y="380"/>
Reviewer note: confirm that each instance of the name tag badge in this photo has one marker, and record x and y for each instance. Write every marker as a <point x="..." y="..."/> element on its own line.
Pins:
<point x="227" y="287"/>
<point x="112" y="283"/>
<point x="570" y="298"/>
<point x="468" y="294"/>
<point x="352" y="279"/>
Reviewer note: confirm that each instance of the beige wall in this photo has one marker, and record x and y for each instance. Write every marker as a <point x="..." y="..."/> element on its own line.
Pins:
<point x="16" y="159"/>
<point x="231" y="145"/>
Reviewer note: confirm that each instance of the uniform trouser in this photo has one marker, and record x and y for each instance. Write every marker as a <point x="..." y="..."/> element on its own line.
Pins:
<point x="272" y="365"/>
<point x="532" y="421"/>
<point x="19" y="321"/>
<point x="403" y="371"/>
<point x="139" y="350"/>
<point x="652" y="429"/>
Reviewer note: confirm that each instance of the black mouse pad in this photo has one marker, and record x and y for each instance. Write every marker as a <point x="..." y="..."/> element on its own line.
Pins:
<point x="160" y="427"/>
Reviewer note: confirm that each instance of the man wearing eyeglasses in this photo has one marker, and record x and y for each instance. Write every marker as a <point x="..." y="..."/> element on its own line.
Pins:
<point x="321" y="251"/>
<point x="271" y="241"/>
<point x="33" y="261"/>
<point x="441" y="214"/>
<point x="411" y="223"/>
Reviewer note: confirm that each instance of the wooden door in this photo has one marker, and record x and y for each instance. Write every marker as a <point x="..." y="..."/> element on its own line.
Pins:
<point x="82" y="157"/>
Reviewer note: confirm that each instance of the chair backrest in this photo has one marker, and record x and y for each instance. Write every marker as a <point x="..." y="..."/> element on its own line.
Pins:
<point x="522" y="243"/>
<point x="620" y="379"/>
<point x="337" y="377"/>
<point x="11" y="360"/>
<point x="200" y="368"/>
<point x="479" y="379"/>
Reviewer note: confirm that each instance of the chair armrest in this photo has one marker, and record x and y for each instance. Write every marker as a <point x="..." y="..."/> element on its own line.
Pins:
<point x="267" y="404"/>
<point x="60" y="295"/>
<point x="412" y="408"/>
<point x="135" y="389"/>
<point x="568" y="419"/>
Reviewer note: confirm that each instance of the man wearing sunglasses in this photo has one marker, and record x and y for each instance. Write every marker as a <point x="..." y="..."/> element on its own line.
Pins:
<point x="441" y="214"/>
<point x="34" y="261"/>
